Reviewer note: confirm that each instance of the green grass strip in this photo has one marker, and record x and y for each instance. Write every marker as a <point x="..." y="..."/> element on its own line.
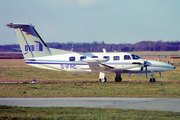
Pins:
<point x="62" y="113"/>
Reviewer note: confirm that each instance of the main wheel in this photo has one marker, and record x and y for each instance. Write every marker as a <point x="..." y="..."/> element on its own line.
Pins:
<point x="152" y="80"/>
<point x="102" y="79"/>
<point x="118" y="79"/>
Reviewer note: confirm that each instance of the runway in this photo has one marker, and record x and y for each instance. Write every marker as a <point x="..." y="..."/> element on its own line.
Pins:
<point x="159" y="104"/>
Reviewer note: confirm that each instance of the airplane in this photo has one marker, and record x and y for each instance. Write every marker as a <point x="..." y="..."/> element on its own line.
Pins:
<point x="37" y="54"/>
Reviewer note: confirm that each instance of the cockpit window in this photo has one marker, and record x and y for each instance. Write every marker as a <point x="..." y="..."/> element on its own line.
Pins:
<point x="94" y="56"/>
<point x="116" y="58"/>
<point x="135" y="57"/>
<point x="71" y="58"/>
<point x="127" y="57"/>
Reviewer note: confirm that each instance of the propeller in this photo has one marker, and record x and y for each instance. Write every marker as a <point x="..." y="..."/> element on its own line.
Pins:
<point x="159" y="59"/>
<point x="146" y="64"/>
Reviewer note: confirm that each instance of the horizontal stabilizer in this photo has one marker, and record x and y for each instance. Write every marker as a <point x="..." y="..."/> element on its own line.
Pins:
<point x="18" y="25"/>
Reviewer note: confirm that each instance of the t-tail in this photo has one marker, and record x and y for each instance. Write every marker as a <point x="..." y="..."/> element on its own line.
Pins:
<point x="30" y="42"/>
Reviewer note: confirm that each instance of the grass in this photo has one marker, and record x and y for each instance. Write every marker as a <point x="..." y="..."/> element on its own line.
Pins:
<point x="156" y="52"/>
<point x="9" y="112"/>
<point x="92" y="89"/>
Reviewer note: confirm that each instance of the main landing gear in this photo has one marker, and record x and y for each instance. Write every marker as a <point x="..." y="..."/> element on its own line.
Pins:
<point x="102" y="77"/>
<point x="118" y="77"/>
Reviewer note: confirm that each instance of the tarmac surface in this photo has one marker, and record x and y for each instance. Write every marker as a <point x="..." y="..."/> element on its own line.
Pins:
<point x="159" y="104"/>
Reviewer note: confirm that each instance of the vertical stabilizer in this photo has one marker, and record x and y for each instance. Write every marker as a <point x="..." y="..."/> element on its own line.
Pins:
<point x="30" y="42"/>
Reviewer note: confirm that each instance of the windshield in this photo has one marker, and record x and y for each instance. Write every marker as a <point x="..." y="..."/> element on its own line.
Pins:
<point x="135" y="57"/>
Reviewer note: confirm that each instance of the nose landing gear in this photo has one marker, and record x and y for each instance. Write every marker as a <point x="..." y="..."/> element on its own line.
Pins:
<point x="152" y="79"/>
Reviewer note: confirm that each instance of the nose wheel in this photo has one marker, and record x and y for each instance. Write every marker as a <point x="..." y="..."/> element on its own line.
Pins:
<point x="152" y="80"/>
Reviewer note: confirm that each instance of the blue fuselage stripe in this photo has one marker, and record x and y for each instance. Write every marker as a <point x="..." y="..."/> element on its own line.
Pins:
<point x="55" y="63"/>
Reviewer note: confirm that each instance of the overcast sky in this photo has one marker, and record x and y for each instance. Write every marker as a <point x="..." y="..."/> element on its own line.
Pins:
<point x="111" y="21"/>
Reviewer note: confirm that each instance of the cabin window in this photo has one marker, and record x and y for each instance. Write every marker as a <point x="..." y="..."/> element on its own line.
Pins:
<point x="94" y="56"/>
<point x="107" y="57"/>
<point x="135" y="57"/>
<point x="127" y="57"/>
<point x="71" y="58"/>
<point x="116" y="58"/>
<point x="82" y="57"/>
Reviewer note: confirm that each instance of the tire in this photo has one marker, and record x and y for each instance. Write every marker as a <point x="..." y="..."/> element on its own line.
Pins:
<point x="152" y="80"/>
<point x="102" y="79"/>
<point x="118" y="79"/>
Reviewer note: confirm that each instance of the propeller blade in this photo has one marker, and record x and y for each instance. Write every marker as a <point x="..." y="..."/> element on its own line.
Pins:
<point x="160" y="74"/>
<point x="146" y="72"/>
<point x="146" y="64"/>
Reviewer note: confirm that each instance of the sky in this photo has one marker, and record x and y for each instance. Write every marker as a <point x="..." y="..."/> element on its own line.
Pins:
<point x="79" y="21"/>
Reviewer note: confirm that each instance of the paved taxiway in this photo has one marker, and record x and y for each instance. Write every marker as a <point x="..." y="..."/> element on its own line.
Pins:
<point x="160" y="104"/>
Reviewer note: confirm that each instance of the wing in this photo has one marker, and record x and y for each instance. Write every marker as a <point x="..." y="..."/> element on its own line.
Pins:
<point x="96" y="65"/>
<point x="99" y="67"/>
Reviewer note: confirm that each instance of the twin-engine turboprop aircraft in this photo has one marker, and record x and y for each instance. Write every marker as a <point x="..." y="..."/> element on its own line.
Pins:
<point x="37" y="54"/>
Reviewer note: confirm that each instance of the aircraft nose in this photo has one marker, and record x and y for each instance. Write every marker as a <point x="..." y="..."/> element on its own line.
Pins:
<point x="172" y="67"/>
<point x="169" y="66"/>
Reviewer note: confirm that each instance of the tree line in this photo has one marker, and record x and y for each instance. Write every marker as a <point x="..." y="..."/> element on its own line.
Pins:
<point x="98" y="46"/>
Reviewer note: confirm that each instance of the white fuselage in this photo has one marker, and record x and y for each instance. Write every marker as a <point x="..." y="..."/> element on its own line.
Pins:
<point x="76" y="63"/>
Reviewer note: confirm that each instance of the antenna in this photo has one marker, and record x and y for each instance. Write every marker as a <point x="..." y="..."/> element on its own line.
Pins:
<point x="104" y="50"/>
<point x="71" y="48"/>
